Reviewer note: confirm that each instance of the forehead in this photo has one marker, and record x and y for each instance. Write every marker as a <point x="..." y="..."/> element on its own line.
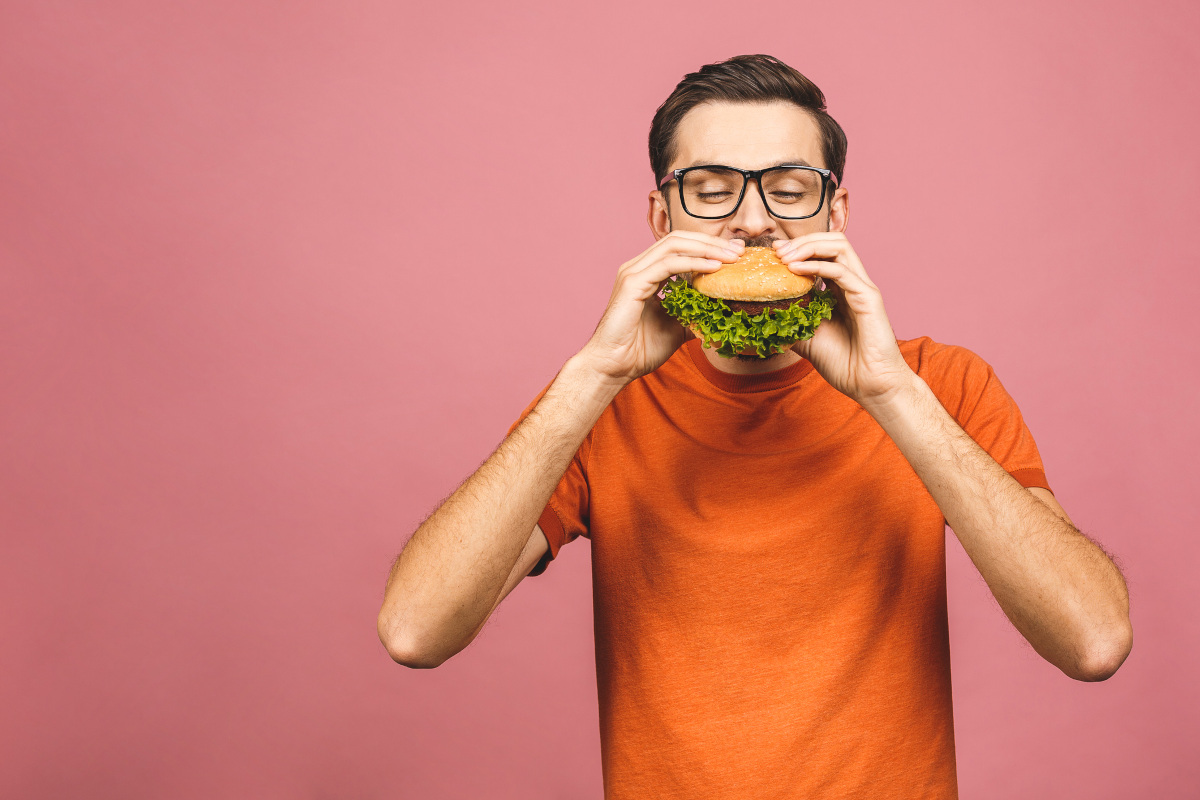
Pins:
<point x="747" y="135"/>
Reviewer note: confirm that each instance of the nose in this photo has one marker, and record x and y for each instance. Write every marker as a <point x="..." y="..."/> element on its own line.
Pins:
<point x="751" y="218"/>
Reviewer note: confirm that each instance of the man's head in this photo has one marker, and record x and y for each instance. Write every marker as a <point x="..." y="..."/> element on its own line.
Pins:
<point x="747" y="136"/>
<point x="748" y="112"/>
<point x="743" y="79"/>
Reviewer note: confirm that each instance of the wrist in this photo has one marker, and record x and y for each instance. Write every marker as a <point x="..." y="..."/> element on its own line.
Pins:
<point x="590" y="379"/>
<point x="588" y="366"/>
<point x="897" y="399"/>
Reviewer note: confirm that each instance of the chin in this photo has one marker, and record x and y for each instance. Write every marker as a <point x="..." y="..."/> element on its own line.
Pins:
<point x="750" y="354"/>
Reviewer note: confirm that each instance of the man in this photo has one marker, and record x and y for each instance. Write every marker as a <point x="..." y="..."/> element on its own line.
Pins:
<point x="767" y="534"/>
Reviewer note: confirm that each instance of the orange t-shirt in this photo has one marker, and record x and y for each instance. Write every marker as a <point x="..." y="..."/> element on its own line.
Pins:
<point x="769" y="581"/>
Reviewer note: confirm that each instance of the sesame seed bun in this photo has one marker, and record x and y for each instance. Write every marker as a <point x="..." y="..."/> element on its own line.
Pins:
<point x="757" y="275"/>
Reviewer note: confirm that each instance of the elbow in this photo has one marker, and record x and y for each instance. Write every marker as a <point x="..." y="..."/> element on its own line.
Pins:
<point x="1107" y="656"/>
<point x="410" y="657"/>
<point x="403" y="649"/>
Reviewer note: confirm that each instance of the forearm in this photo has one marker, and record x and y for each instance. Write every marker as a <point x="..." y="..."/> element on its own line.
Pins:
<point x="452" y="570"/>
<point x="1056" y="586"/>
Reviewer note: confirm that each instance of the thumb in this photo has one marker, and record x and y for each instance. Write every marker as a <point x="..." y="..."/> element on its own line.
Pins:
<point x="655" y="306"/>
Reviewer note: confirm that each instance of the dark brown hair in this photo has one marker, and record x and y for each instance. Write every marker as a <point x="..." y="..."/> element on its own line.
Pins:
<point x="744" y="79"/>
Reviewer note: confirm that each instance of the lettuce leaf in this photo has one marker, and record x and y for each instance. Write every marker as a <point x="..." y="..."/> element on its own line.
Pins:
<point x="730" y="332"/>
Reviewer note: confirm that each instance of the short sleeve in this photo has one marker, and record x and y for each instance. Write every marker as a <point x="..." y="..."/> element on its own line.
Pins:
<point x="565" y="517"/>
<point x="969" y="389"/>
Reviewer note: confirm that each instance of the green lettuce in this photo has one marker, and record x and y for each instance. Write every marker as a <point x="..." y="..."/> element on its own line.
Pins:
<point x="730" y="332"/>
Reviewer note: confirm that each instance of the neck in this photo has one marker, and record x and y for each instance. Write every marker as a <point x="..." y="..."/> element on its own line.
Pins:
<point x="756" y="366"/>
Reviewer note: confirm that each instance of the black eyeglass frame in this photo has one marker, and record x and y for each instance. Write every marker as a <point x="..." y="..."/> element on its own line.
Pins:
<point x="747" y="175"/>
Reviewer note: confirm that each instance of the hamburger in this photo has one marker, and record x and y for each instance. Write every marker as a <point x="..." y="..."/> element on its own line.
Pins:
<point x="754" y="306"/>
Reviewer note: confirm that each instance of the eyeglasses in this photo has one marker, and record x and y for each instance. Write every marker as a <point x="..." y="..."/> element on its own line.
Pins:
<point x="713" y="191"/>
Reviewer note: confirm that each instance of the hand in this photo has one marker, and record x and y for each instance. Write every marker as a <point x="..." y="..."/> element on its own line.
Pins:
<point x="855" y="351"/>
<point x="635" y="335"/>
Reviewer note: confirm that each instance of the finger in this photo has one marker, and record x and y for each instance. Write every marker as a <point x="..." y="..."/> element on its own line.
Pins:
<point x="699" y="251"/>
<point x="694" y="236"/>
<point x="835" y="271"/>
<point x="675" y="240"/>
<point x="642" y="283"/>
<point x="834" y="239"/>
<point x="707" y="247"/>
<point x="837" y="243"/>
<point x="831" y="236"/>
<point x="839" y="250"/>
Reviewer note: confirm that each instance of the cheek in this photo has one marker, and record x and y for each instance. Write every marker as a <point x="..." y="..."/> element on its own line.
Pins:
<point x="683" y="222"/>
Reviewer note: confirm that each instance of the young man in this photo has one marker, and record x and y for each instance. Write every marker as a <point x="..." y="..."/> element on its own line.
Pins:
<point x="767" y="534"/>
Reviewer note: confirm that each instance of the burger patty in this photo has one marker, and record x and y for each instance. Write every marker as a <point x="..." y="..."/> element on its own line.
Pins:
<point x="755" y="307"/>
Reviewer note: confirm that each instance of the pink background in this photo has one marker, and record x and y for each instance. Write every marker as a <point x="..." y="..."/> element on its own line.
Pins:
<point x="274" y="278"/>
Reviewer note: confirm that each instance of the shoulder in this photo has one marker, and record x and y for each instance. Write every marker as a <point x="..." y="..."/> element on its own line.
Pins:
<point x="957" y="376"/>
<point x="939" y="362"/>
<point x="965" y="384"/>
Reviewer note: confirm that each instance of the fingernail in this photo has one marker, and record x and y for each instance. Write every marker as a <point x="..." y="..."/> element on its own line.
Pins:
<point x="737" y="243"/>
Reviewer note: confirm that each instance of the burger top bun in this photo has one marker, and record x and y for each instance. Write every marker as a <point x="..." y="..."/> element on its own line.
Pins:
<point x="757" y="275"/>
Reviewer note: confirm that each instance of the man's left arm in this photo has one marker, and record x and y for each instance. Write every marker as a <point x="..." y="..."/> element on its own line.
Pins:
<point x="1060" y="590"/>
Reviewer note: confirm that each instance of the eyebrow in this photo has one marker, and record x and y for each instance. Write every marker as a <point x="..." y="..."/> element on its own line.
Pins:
<point x="800" y="162"/>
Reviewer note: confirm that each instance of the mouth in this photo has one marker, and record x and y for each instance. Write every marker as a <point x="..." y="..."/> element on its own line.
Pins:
<point x="765" y="240"/>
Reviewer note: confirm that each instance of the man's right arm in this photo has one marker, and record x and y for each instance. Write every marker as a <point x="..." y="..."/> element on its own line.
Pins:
<point x="463" y="559"/>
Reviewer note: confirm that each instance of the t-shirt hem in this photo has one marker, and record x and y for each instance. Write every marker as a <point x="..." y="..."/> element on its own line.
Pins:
<point x="1030" y="477"/>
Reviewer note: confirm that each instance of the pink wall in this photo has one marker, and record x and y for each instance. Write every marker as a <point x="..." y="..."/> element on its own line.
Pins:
<point x="253" y="328"/>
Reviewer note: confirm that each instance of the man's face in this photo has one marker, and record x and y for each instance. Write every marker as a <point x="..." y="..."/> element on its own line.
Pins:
<point x="747" y="136"/>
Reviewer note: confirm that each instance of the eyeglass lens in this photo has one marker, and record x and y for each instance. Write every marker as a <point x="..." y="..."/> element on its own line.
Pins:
<point x="789" y="191"/>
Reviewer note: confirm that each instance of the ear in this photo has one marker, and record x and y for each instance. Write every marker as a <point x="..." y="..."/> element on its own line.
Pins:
<point x="658" y="217"/>
<point x="839" y="210"/>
